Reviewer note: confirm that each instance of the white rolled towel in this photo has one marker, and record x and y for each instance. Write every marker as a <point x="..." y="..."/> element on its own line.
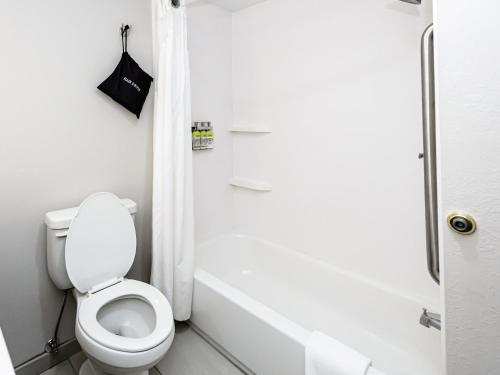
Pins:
<point x="327" y="356"/>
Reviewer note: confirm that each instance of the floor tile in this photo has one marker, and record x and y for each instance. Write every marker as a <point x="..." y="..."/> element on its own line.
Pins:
<point x="63" y="368"/>
<point x="191" y="355"/>
<point x="77" y="361"/>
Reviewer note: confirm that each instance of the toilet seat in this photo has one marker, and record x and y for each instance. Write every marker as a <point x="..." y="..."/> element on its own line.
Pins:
<point x="100" y="244"/>
<point x="90" y="305"/>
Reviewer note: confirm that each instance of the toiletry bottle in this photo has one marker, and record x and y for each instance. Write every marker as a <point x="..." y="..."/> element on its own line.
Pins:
<point x="193" y="129"/>
<point x="196" y="136"/>
<point x="203" y="136"/>
<point x="210" y="136"/>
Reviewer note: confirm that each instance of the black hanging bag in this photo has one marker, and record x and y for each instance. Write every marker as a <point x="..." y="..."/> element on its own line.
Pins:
<point x="128" y="84"/>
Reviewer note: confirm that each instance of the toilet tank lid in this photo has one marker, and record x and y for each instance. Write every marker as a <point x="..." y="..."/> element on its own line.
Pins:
<point x="61" y="219"/>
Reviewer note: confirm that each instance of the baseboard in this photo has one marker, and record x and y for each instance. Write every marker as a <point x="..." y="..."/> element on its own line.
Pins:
<point x="221" y="350"/>
<point x="44" y="361"/>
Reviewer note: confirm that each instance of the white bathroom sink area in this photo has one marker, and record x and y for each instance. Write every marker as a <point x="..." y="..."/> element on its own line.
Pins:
<point x="6" y="367"/>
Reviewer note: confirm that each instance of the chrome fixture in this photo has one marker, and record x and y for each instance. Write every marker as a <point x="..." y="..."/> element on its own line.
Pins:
<point x="417" y="2"/>
<point x="429" y="154"/>
<point x="461" y="223"/>
<point x="428" y="319"/>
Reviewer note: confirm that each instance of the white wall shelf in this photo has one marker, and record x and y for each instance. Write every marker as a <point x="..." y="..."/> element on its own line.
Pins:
<point x="247" y="183"/>
<point x="250" y="129"/>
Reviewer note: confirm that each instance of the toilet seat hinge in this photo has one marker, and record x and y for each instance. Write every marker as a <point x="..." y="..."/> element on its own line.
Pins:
<point x="104" y="285"/>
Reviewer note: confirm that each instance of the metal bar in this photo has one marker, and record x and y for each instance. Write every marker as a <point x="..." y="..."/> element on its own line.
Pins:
<point x="428" y="319"/>
<point x="429" y="154"/>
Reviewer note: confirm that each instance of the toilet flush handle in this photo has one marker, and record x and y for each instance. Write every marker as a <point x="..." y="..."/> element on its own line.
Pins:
<point x="63" y="233"/>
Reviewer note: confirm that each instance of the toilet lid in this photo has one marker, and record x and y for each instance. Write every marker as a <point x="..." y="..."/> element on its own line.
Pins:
<point x="101" y="242"/>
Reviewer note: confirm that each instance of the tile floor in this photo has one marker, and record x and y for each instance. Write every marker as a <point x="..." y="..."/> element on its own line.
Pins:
<point x="189" y="355"/>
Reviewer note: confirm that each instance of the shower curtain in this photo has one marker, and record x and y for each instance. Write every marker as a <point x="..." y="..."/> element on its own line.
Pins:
<point x="173" y="232"/>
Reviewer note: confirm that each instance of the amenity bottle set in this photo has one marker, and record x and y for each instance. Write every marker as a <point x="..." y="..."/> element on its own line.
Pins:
<point x="203" y="136"/>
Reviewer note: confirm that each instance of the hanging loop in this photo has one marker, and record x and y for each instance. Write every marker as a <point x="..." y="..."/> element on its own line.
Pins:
<point x="124" y="33"/>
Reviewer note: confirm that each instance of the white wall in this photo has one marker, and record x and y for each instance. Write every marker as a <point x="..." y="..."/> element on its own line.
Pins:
<point x="61" y="141"/>
<point x="468" y="36"/>
<point x="209" y="30"/>
<point x="338" y="82"/>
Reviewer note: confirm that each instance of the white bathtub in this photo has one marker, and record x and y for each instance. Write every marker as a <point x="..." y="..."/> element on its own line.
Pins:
<point x="259" y="302"/>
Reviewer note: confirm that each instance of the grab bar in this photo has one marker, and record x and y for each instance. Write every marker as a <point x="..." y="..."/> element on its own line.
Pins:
<point x="428" y="319"/>
<point x="429" y="154"/>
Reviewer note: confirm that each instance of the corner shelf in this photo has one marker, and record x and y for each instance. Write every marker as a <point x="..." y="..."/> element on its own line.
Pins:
<point x="250" y="129"/>
<point x="247" y="183"/>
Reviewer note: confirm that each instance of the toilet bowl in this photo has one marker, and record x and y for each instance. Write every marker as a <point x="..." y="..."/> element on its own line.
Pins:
<point x="124" y="329"/>
<point x="124" y="326"/>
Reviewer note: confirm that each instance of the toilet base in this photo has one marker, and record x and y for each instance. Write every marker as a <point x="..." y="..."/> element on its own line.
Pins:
<point x="88" y="369"/>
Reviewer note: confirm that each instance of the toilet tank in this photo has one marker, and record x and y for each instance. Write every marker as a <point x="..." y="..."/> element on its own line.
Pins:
<point x="57" y="223"/>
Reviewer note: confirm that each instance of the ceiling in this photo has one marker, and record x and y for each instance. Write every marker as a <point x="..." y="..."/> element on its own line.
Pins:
<point x="232" y="5"/>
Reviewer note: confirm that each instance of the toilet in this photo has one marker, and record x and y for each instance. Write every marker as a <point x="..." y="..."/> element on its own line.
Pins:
<point x="124" y="326"/>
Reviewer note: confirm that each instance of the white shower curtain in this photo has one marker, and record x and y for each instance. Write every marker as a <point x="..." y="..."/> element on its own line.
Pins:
<point x="173" y="232"/>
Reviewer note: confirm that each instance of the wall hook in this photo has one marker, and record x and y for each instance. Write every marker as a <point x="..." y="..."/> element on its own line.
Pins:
<point x="124" y="33"/>
<point x="124" y="29"/>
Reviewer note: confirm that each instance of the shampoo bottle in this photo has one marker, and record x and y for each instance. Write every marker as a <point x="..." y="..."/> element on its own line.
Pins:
<point x="203" y="136"/>
<point x="210" y="136"/>
<point x="196" y="136"/>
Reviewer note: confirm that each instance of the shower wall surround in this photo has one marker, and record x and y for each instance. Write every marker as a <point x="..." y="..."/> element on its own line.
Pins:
<point x="61" y="141"/>
<point x="337" y="83"/>
<point x="209" y="33"/>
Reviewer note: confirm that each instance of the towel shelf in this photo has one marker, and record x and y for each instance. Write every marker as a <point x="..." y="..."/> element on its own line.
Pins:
<point x="250" y="129"/>
<point x="246" y="183"/>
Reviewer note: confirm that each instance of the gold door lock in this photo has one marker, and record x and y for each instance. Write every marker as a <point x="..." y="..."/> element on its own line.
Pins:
<point x="461" y="223"/>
